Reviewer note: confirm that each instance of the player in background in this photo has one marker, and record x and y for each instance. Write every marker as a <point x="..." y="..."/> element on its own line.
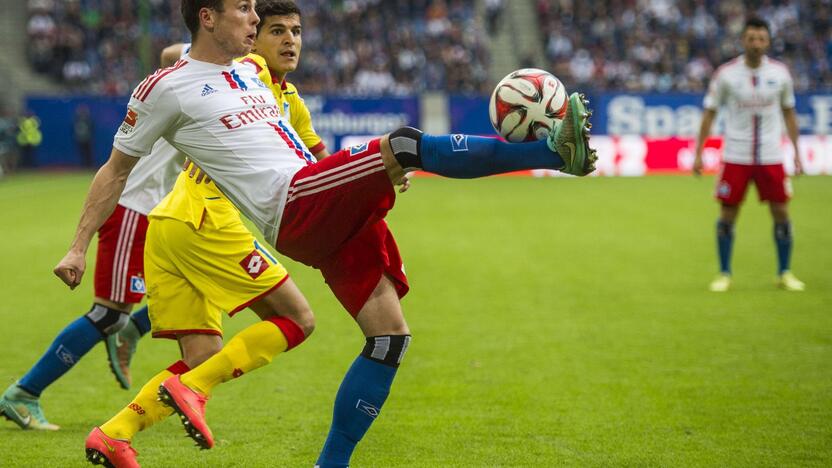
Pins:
<point x="327" y="214"/>
<point x="754" y="90"/>
<point x="119" y="285"/>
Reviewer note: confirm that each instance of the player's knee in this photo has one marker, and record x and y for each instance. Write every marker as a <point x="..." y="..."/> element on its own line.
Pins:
<point x="386" y="349"/>
<point x="295" y="329"/>
<point x="405" y="143"/>
<point x="107" y="320"/>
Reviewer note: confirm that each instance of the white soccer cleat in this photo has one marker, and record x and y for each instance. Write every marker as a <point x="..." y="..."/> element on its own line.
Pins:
<point x="721" y="283"/>
<point x="789" y="282"/>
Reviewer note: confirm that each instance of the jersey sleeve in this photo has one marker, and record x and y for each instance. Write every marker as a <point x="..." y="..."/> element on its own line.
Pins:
<point x="301" y="121"/>
<point x="150" y="114"/>
<point x="260" y="67"/>
<point x="715" y="96"/>
<point x="787" y="100"/>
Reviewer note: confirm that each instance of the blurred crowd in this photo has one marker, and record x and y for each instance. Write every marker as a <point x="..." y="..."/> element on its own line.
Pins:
<point x="675" y="45"/>
<point x="364" y="47"/>
<point x="356" y="47"/>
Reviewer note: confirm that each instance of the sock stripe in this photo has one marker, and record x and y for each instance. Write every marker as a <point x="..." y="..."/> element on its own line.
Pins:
<point x="291" y="331"/>
<point x="404" y="349"/>
<point x="381" y="348"/>
<point x="178" y="368"/>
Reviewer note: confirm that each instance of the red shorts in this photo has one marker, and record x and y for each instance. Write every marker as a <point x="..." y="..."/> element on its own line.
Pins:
<point x="334" y="221"/>
<point x="119" y="263"/>
<point x="772" y="183"/>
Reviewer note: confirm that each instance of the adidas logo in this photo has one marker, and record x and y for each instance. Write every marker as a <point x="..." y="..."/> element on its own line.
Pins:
<point x="208" y="90"/>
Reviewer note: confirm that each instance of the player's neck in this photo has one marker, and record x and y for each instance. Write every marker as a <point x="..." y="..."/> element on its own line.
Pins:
<point x="208" y="51"/>
<point x="278" y="77"/>
<point x="751" y="62"/>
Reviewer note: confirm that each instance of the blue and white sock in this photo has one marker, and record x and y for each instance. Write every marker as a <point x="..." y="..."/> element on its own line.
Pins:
<point x="141" y="320"/>
<point x="71" y="344"/>
<point x="362" y="393"/>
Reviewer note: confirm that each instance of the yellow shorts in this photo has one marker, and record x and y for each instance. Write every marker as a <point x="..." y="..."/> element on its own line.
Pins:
<point x="194" y="275"/>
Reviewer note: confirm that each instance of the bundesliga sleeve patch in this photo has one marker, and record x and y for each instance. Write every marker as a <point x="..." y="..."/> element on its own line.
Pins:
<point x="129" y="123"/>
<point x="254" y="264"/>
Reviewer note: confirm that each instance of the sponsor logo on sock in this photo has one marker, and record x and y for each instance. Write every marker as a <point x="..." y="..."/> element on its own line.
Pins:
<point x="459" y="142"/>
<point x="66" y="356"/>
<point x="137" y="408"/>
<point x="371" y="410"/>
<point x="237" y="373"/>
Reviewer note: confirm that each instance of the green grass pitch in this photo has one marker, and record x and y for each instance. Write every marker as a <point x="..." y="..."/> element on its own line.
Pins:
<point x="556" y="322"/>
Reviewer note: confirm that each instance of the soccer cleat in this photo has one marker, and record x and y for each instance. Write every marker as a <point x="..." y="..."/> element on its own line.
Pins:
<point x="120" y="349"/>
<point x="112" y="453"/>
<point x="721" y="283"/>
<point x="190" y="406"/>
<point x="22" y="408"/>
<point x="570" y="139"/>
<point x="789" y="282"/>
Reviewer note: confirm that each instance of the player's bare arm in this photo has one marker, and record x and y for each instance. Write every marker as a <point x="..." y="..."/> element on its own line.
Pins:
<point x="790" y="119"/>
<point x="708" y="116"/>
<point x="170" y="55"/>
<point x="103" y="196"/>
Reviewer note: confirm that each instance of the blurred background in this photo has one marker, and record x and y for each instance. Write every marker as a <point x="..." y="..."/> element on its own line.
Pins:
<point x="369" y="66"/>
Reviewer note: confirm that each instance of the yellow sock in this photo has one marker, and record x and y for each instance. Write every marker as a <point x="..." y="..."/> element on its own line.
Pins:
<point x="255" y="346"/>
<point x="144" y="411"/>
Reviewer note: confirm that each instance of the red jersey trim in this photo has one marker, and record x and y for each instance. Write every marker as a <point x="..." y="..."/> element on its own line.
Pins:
<point x="317" y="148"/>
<point x="174" y="334"/>
<point x="146" y="86"/>
<point x="261" y="296"/>
<point x="257" y="66"/>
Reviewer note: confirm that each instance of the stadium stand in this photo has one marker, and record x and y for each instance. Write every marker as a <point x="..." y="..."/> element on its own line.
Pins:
<point x="667" y="45"/>
<point x="91" y="45"/>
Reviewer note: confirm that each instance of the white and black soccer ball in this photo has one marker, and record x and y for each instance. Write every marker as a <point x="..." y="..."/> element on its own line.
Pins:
<point x="526" y="104"/>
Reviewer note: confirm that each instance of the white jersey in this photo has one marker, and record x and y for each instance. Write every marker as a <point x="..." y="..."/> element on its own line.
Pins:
<point x="152" y="178"/>
<point x="226" y="120"/>
<point x="754" y="99"/>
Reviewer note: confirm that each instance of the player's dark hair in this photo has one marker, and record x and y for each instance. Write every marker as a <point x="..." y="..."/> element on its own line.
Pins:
<point x="756" y="22"/>
<point x="190" y="12"/>
<point x="266" y="8"/>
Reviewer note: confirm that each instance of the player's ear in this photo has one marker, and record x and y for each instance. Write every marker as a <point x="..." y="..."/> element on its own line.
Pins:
<point x="206" y="18"/>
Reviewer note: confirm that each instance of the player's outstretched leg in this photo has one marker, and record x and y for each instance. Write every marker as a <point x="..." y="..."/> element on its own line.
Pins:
<point x="465" y="156"/>
<point x="141" y="413"/>
<point x="252" y="348"/>
<point x="122" y="346"/>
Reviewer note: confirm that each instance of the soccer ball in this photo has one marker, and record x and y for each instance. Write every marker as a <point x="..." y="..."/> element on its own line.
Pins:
<point x="526" y="104"/>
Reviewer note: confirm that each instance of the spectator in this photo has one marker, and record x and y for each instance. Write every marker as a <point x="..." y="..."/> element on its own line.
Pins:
<point x="83" y="130"/>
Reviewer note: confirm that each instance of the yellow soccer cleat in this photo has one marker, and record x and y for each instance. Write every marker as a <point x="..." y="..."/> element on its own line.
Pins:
<point x="789" y="282"/>
<point x="721" y="283"/>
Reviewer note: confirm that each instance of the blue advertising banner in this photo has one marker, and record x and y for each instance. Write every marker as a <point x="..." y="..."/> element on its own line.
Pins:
<point x="337" y="120"/>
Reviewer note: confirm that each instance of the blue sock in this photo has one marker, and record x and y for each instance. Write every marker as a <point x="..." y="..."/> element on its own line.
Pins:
<point x="725" y="242"/>
<point x="358" y="402"/>
<point x="466" y="157"/>
<point x="783" y="240"/>
<point x="67" y="349"/>
<point x="141" y="320"/>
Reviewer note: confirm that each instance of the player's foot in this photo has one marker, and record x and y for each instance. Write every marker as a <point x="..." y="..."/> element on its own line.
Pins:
<point x="789" y="282"/>
<point x="112" y="453"/>
<point x="570" y="139"/>
<point x="721" y="283"/>
<point x="120" y="349"/>
<point x="190" y="405"/>
<point x="22" y="408"/>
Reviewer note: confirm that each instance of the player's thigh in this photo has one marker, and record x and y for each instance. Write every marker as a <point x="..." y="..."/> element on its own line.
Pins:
<point x="175" y="306"/>
<point x="773" y="184"/>
<point x="732" y="183"/>
<point x="224" y="262"/>
<point x="119" y="269"/>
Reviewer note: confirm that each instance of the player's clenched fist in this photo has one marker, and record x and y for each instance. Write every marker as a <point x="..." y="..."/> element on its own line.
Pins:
<point x="71" y="268"/>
